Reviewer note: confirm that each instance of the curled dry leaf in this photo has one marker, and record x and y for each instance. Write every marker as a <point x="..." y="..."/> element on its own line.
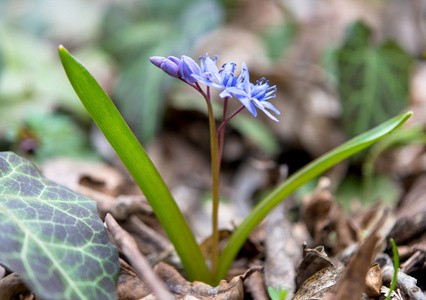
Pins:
<point x="182" y="289"/>
<point x="373" y="281"/>
<point x="320" y="284"/>
<point x="314" y="260"/>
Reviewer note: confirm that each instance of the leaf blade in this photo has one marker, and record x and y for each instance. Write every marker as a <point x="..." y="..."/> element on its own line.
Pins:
<point x="305" y="174"/>
<point x="52" y="236"/>
<point x="111" y="123"/>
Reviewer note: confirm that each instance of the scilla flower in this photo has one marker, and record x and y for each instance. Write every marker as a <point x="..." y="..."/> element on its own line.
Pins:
<point x="252" y="96"/>
<point x="211" y="76"/>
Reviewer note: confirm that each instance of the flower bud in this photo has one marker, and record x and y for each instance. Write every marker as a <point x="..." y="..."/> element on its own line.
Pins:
<point x="171" y="66"/>
<point x="187" y="68"/>
<point x="157" y="60"/>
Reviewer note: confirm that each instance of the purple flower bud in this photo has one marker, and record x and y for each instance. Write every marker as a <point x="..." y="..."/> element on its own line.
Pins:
<point x="171" y="66"/>
<point x="187" y="68"/>
<point x="157" y="60"/>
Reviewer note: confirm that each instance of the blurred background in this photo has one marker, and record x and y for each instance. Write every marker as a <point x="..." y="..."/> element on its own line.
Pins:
<point x="340" y="66"/>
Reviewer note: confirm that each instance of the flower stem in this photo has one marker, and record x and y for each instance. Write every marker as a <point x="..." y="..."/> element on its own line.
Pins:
<point x="215" y="178"/>
<point x="221" y="131"/>
<point x="224" y="122"/>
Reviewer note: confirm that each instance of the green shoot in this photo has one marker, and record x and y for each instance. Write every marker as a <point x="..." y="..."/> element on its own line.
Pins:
<point x="395" y="266"/>
<point x="278" y="294"/>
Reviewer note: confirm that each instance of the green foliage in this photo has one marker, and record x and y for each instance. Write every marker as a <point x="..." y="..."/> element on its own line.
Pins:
<point x="408" y="135"/>
<point x="278" y="294"/>
<point x="48" y="136"/>
<point x="29" y="82"/>
<point x="353" y="187"/>
<point x="278" y="38"/>
<point x="372" y="80"/>
<point x="53" y="237"/>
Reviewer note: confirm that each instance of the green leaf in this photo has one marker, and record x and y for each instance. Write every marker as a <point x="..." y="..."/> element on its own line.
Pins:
<point x="111" y="123"/>
<point x="299" y="178"/>
<point x="373" y="80"/>
<point x="53" y="237"/>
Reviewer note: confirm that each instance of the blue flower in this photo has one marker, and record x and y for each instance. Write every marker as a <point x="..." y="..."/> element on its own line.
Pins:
<point x="211" y="76"/>
<point x="252" y="96"/>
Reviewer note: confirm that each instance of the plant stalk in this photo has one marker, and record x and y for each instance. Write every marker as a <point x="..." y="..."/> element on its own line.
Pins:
<point x="215" y="165"/>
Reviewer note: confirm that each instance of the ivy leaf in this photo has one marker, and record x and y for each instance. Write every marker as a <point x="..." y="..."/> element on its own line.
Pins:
<point x="373" y="80"/>
<point x="53" y="237"/>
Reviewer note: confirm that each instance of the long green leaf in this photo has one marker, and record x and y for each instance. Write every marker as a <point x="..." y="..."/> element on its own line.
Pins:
<point x="307" y="173"/>
<point x="111" y="123"/>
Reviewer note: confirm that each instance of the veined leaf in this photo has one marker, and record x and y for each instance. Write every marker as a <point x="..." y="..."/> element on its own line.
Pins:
<point x="373" y="80"/>
<point x="53" y="237"/>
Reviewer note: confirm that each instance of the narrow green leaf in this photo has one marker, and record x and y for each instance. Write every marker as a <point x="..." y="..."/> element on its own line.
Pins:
<point x="53" y="237"/>
<point x="111" y="123"/>
<point x="395" y="267"/>
<point x="296" y="180"/>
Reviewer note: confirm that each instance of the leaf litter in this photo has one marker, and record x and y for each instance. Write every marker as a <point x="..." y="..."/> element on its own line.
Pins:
<point x="355" y="268"/>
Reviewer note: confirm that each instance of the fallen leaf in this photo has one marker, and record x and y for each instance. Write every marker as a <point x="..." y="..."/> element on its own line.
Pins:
<point x="324" y="219"/>
<point x="314" y="260"/>
<point x="129" y="285"/>
<point x="320" y="284"/>
<point x="373" y="281"/>
<point x="11" y="286"/>
<point x="234" y="290"/>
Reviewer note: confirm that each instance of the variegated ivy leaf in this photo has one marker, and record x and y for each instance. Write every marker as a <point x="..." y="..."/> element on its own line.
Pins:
<point x="53" y="237"/>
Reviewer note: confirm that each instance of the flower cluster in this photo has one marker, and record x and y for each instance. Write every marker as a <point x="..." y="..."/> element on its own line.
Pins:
<point x="249" y="94"/>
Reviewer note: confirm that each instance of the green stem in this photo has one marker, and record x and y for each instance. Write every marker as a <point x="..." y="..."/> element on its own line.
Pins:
<point x="215" y="178"/>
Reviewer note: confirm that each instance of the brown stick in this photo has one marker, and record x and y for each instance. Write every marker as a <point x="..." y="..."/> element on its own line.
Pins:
<point x="136" y="259"/>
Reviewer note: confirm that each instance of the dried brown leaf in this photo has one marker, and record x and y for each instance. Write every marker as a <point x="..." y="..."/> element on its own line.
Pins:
<point x="129" y="285"/>
<point x="320" y="284"/>
<point x="234" y="290"/>
<point x="324" y="218"/>
<point x="11" y="286"/>
<point x="373" y="281"/>
<point x="314" y="260"/>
